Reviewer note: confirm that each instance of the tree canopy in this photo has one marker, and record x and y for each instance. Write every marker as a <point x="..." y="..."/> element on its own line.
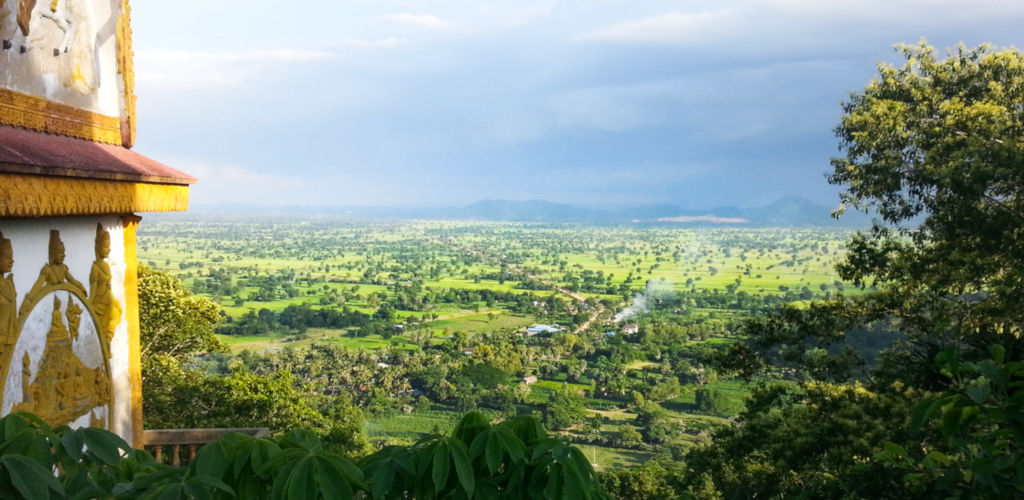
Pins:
<point x="934" y="147"/>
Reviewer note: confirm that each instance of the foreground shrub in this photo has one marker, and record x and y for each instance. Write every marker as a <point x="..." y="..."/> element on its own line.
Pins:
<point x="512" y="459"/>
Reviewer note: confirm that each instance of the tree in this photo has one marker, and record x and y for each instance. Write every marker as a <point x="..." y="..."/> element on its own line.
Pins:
<point x="934" y="148"/>
<point x="178" y="326"/>
<point x="939" y="141"/>
<point x="173" y="322"/>
<point x="565" y="408"/>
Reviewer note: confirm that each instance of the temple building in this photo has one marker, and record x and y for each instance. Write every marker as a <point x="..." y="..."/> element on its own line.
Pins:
<point x="70" y="191"/>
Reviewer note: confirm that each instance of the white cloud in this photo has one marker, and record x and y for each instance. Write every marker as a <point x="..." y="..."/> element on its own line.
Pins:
<point x="231" y="183"/>
<point x="428" y="21"/>
<point x="192" y="70"/>
<point x="379" y="43"/>
<point x="673" y="28"/>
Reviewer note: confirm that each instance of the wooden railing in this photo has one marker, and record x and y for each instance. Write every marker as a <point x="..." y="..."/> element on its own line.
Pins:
<point x="159" y="440"/>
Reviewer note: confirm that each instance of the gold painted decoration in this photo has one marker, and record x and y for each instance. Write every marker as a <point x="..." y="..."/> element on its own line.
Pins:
<point x="126" y="68"/>
<point x="106" y="307"/>
<point x="36" y="113"/>
<point x="52" y="274"/>
<point x="62" y="388"/>
<point x="67" y="68"/>
<point x="8" y="304"/>
<point x="23" y="195"/>
<point x="65" y="375"/>
<point x="129" y="224"/>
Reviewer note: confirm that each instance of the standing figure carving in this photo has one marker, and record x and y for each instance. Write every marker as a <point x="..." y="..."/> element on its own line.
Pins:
<point x="106" y="308"/>
<point x="54" y="272"/>
<point x="8" y="305"/>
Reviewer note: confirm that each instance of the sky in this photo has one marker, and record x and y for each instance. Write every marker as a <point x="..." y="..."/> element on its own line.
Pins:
<point x="589" y="102"/>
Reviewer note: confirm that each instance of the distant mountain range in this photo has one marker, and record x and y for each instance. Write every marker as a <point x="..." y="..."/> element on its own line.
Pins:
<point x="787" y="211"/>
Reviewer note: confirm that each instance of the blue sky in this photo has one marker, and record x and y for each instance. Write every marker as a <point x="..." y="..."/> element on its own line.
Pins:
<point x="443" y="103"/>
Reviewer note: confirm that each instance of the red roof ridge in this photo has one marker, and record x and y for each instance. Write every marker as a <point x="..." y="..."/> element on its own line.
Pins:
<point x="29" y="152"/>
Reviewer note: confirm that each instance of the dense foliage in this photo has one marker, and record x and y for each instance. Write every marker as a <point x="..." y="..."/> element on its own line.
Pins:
<point x="935" y="147"/>
<point x="177" y="393"/>
<point x="512" y="459"/>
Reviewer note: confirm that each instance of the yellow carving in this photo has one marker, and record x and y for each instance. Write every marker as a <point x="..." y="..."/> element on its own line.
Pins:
<point x="126" y="67"/>
<point x="52" y="274"/>
<point x="64" y="388"/>
<point x="36" y="113"/>
<point x="74" y="315"/>
<point x="8" y="305"/>
<point x="106" y="308"/>
<point x="53" y="5"/>
<point x="131" y="306"/>
<point x="78" y="77"/>
<point x="34" y="196"/>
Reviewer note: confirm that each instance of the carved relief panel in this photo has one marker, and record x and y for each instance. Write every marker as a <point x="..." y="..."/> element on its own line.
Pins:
<point x="58" y="336"/>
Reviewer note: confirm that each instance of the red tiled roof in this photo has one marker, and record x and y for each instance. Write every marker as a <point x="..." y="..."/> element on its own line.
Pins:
<point x="27" y="152"/>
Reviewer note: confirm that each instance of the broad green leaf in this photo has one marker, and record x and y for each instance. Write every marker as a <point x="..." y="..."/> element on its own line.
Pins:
<point x="512" y="445"/>
<point x="302" y="481"/>
<point x="197" y="492"/>
<point x="30" y="479"/>
<point x="212" y="460"/>
<point x="494" y="453"/>
<point x="103" y="444"/>
<point x="441" y="467"/>
<point x="383" y="478"/>
<point x="333" y="482"/>
<point x="213" y="482"/>
<point x="553" y="488"/>
<point x="463" y="468"/>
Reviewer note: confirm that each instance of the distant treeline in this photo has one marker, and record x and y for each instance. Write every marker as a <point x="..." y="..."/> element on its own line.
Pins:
<point x="294" y="318"/>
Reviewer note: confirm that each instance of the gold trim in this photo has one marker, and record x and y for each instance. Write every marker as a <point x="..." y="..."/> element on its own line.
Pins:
<point x="126" y="67"/>
<point x="36" y="113"/>
<point x="131" y="313"/>
<point x="37" y="196"/>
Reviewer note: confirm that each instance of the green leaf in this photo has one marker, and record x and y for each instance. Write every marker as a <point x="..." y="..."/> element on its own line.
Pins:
<point x="951" y="420"/>
<point x="553" y="489"/>
<point x="494" y="453"/>
<point x="212" y="460"/>
<point x="197" y="492"/>
<point x="998" y="353"/>
<point x="512" y="445"/>
<point x="382" y="479"/>
<point x="30" y="479"/>
<point x="463" y="468"/>
<point x="213" y="482"/>
<point x="894" y="450"/>
<point x="441" y="467"/>
<point x="103" y="444"/>
<point x="332" y="481"/>
<point x="978" y="390"/>
<point x="923" y="412"/>
<point x="302" y="481"/>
